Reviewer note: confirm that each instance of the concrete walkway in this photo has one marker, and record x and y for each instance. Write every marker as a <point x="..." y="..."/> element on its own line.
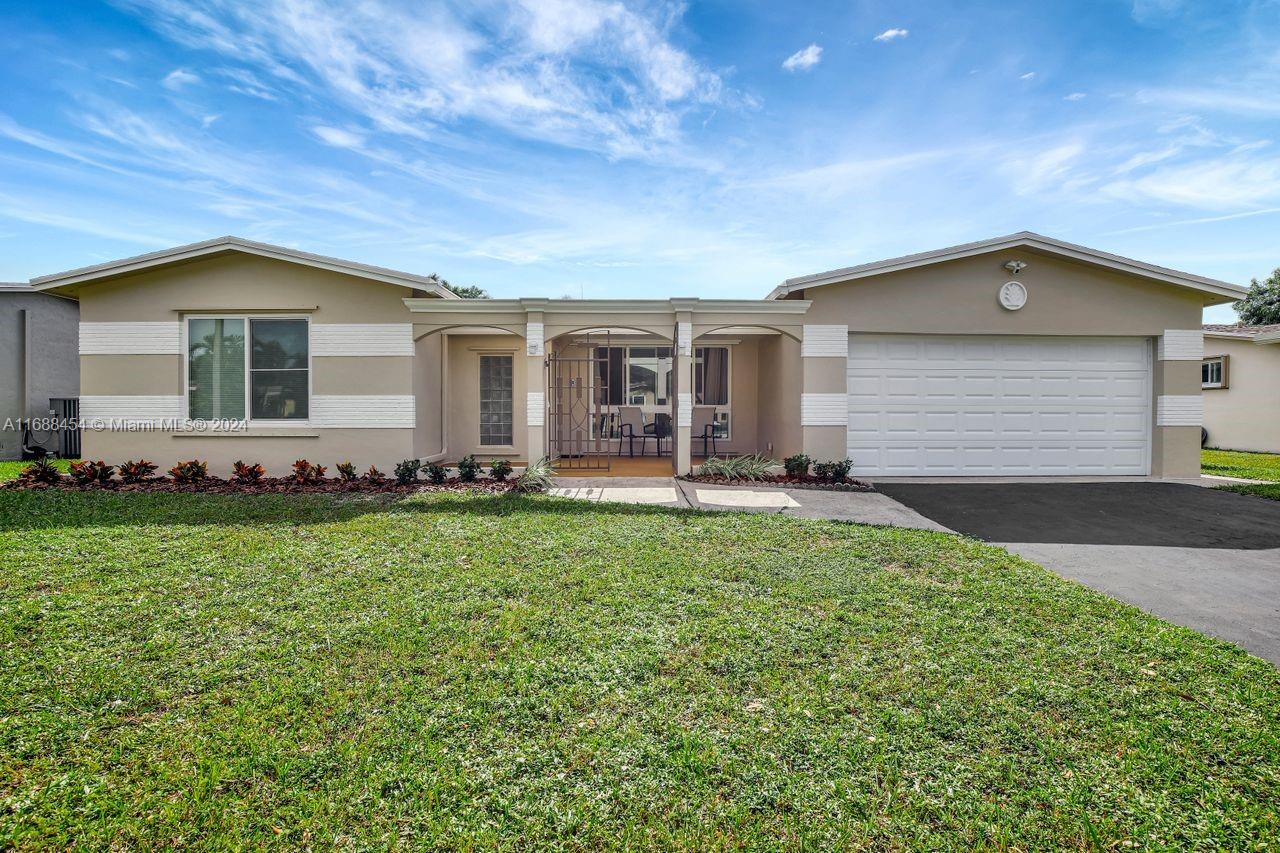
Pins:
<point x="859" y="507"/>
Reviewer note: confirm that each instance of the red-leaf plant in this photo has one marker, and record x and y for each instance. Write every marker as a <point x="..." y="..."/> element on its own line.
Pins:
<point x="191" y="471"/>
<point x="305" y="472"/>
<point x="88" y="471"/>
<point x="136" y="471"/>
<point x="247" y="474"/>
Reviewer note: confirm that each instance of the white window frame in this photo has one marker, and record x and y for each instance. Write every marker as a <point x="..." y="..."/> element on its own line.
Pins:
<point x="248" y="373"/>
<point x="495" y="448"/>
<point x="1221" y="362"/>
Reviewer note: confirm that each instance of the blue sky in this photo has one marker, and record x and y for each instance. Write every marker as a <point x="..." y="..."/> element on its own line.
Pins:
<point x="610" y="150"/>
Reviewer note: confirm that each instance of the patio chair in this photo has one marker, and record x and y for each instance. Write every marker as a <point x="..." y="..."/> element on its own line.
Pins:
<point x="631" y="426"/>
<point x="704" y="427"/>
<point x="659" y="429"/>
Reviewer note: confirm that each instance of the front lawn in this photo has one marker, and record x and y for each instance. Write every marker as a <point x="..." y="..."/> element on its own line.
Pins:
<point x="463" y="671"/>
<point x="1238" y="463"/>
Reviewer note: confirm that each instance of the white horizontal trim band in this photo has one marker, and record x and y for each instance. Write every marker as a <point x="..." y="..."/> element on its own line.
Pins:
<point x="535" y="340"/>
<point x="684" y="409"/>
<point x="536" y="408"/>
<point x="363" y="411"/>
<point x="1181" y="345"/>
<point x="825" y="342"/>
<point x="824" y="410"/>
<point x="360" y="339"/>
<point x="142" y="409"/>
<point x="1180" y="410"/>
<point x="684" y="338"/>
<point x="141" y="338"/>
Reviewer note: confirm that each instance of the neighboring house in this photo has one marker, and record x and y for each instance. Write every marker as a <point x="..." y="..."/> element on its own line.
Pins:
<point x="1020" y="355"/>
<point x="1241" y="381"/>
<point x="38" y="359"/>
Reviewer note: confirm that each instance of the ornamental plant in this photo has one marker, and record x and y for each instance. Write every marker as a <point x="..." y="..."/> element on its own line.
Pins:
<point x="436" y="473"/>
<point x="87" y="472"/>
<point x="407" y="471"/>
<point x="468" y="469"/>
<point x="247" y="474"/>
<point x="833" y="471"/>
<point x="797" y="465"/>
<point x="135" y="471"/>
<point x="347" y="472"/>
<point x="191" y="471"/>
<point x="40" y="471"/>
<point x="305" y="472"/>
<point x="500" y="469"/>
<point x="536" y="477"/>
<point x="373" y="475"/>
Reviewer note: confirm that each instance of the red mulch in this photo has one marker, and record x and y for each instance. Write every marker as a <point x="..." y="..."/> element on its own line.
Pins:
<point x="787" y="481"/>
<point x="269" y="486"/>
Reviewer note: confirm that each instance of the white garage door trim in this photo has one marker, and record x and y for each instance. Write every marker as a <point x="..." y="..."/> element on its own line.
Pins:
<point x="976" y="405"/>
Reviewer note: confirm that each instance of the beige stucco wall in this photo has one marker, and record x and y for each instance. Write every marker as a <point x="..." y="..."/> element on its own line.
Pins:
<point x="463" y="415"/>
<point x="1246" y="414"/>
<point x="779" y="379"/>
<point x="244" y="284"/>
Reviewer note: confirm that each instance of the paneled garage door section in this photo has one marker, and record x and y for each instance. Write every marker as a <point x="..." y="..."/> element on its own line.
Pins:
<point x="935" y="405"/>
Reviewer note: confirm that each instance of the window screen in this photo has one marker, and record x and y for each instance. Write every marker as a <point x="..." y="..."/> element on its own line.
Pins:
<point x="278" y="380"/>
<point x="215" y="369"/>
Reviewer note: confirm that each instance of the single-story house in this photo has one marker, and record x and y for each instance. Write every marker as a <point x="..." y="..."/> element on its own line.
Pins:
<point x="1241" y="381"/>
<point x="1015" y="356"/>
<point x="38" y="363"/>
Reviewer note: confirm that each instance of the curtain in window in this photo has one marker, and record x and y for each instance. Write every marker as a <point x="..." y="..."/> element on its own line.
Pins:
<point x="215" y="369"/>
<point x="715" y="376"/>
<point x="278" y="375"/>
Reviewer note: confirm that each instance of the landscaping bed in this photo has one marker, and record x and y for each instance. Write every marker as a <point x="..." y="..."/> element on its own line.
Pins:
<point x="266" y="485"/>
<point x="785" y="481"/>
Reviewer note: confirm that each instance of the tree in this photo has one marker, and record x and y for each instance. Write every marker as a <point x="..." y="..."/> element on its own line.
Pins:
<point x="1261" y="307"/>
<point x="469" y="291"/>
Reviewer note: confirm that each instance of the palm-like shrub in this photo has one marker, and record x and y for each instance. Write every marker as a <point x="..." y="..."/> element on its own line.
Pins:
<point x="753" y="467"/>
<point x="536" y="477"/>
<point x="40" y="471"/>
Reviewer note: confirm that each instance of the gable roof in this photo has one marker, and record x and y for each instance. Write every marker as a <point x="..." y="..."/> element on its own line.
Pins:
<point x="223" y="245"/>
<point x="1023" y="239"/>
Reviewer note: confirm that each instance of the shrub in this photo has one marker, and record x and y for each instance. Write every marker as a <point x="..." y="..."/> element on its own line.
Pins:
<point x="797" y="465"/>
<point x="305" y="472"/>
<point x="436" y="473"/>
<point x="248" y="474"/>
<point x="833" y="470"/>
<point x="373" y="475"/>
<point x="753" y="467"/>
<point x="191" y="471"/>
<point x="536" y="477"/>
<point x="136" y="471"/>
<point x="87" y="472"/>
<point x="468" y="469"/>
<point x="407" y="471"/>
<point x="347" y="472"/>
<point x="40" y="471"/>
<point x="500" y="469"/>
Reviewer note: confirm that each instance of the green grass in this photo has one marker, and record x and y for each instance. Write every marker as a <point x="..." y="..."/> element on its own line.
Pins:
<point x="1238" y="463"/>
<point x="11" y="470"/>
<point x="455" y="671"/>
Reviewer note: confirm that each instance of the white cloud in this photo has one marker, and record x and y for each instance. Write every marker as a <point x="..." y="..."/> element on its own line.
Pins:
<point x="593" y="74"/>
<point x="337" y="137"/>
<point x="207" y="121"/>
<point x="803" y="59"/>
<point x="1030" y="75"/>
<point x="1075" y="96"/>
<point x="891" y="34"/>
<point x="1216" y="184"/>
<point x="179" y="78"/>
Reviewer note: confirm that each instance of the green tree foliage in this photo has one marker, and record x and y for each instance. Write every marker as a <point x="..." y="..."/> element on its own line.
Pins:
<point x="1261" y="306"/>
<point x="469" y="291"/>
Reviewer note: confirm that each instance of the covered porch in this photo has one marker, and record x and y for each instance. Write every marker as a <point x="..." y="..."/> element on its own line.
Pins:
<point x="617" y="387"/>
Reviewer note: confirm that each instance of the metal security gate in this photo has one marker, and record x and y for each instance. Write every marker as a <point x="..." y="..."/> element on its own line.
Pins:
<point x="578" y="421"/>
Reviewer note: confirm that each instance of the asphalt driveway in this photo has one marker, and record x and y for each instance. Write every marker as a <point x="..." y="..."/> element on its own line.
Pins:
<point x="1205" y="559"/>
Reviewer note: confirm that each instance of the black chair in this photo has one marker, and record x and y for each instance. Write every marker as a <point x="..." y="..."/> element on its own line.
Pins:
<point x="659" y="429"/>
<point x="704" y="427"/>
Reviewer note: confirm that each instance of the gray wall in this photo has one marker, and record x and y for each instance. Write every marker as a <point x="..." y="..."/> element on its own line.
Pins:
<point x="39" y="357"/>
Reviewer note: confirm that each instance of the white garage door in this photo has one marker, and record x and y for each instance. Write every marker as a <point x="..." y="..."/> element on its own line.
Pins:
<point x="966" y="405"/>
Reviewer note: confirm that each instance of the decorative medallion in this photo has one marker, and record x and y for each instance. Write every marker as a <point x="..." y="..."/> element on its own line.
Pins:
<point x="1013" y="295"/>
